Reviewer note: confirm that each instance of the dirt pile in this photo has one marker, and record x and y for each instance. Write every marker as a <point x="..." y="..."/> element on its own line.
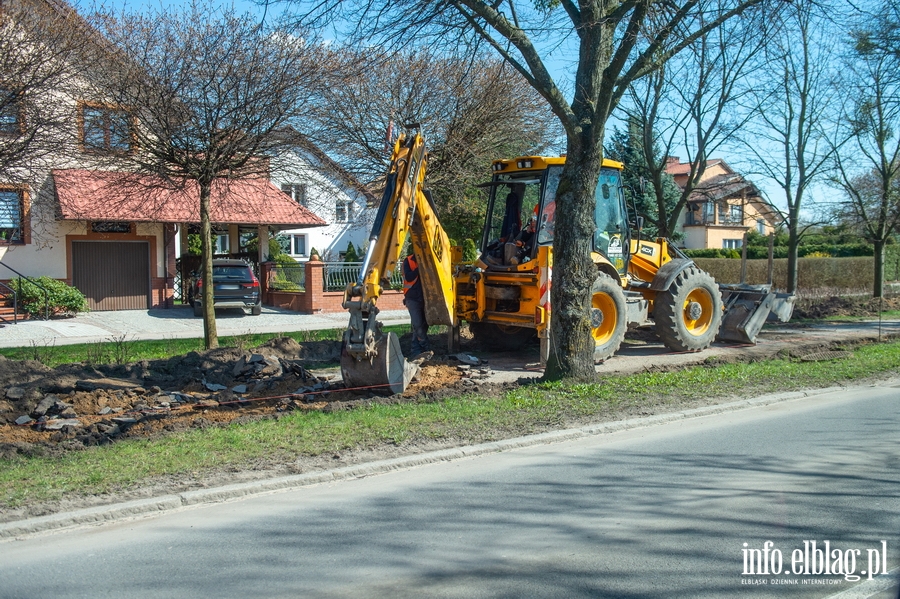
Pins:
<point x="46" y="410"/>
<point x="816" y="308"/>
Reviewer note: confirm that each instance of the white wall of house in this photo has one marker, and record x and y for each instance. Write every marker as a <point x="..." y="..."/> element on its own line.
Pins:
<point x="330" y="196"/>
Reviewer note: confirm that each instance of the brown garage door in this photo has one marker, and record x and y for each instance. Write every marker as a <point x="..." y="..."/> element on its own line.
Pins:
<point x="113" y="275"/>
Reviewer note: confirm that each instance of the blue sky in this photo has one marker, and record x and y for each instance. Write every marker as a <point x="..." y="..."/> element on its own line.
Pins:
<point x="557" y="61"/>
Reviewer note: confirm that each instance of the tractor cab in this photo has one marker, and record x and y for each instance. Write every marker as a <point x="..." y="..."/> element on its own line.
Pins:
<point x="521" y="212"/>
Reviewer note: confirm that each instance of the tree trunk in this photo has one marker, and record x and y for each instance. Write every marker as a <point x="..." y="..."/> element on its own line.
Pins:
<point x="878" y="289"/>
<point x="571" y="344"/>
<point x="210" y="335"/>
<point x="793" y="272"/>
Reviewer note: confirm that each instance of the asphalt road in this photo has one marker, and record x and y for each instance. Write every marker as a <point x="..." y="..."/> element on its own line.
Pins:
<point x="662" y="511"/>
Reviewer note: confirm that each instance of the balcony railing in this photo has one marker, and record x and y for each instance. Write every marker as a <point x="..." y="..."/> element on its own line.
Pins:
<point x="726" y="221"/>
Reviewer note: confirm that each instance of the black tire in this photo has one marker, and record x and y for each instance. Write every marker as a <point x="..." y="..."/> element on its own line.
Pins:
<point x="256" y="310"/>
<point x="198" y="309"/>
<point x="608" y="317"/>
<point x="501" y="337"/>
<point x="688" y="315"/>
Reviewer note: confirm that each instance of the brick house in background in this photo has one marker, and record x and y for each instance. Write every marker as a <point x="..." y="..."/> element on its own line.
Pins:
<point x="722" y="207"/>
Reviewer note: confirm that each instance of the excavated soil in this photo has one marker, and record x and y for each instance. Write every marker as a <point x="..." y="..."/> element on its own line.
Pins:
<point x="817" y="308"/>
<point x="51" y="411"/>
<point x="48" y="410"/>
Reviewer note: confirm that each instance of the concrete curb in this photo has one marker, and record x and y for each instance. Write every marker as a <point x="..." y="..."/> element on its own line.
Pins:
<point x="152" y="506"/>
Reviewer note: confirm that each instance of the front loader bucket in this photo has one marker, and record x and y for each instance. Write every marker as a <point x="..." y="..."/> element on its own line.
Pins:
<point x="386" y="370"/>
<point x="746" y="309"/>
<point x="782" y="307"/>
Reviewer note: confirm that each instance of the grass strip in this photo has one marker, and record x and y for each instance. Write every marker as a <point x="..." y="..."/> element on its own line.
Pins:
<point x="121" y="351"/>
<point x="469" y="418"/>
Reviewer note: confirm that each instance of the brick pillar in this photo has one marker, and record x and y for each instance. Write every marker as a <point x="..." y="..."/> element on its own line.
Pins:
<point x="313" y="301"/>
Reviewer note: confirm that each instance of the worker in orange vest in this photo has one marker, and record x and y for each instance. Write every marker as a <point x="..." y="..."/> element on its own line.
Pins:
<point x="414" y="300"/>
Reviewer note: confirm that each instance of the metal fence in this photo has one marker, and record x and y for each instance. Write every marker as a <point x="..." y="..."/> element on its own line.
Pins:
<point x="288" y="277"/>
<point x="336" y="276"/>
<point x="339" y="274"/>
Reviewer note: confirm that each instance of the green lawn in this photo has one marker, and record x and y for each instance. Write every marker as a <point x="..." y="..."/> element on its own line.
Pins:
<point x="129" y="464"/>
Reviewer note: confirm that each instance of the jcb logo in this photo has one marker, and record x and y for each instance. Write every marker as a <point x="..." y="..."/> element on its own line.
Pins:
<point x="438" y="248"/>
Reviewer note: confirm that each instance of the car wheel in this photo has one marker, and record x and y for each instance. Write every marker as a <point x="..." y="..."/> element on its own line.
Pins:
<point x="198" y="309"/>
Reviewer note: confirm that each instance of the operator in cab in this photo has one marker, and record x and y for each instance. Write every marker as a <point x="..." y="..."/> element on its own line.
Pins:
<point x="414" y="300"/>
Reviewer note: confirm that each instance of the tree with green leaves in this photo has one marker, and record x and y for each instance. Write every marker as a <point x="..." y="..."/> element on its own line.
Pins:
<point x="350" y="255"/>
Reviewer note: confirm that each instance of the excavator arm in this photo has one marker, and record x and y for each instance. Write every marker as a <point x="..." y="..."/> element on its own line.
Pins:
<point x="370" y="357"/>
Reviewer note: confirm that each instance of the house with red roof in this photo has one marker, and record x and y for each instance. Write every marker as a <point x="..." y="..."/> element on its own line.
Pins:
<point x="314" y="180"/>
<point x="116" y="235"/>
<point x="722" y="207"/>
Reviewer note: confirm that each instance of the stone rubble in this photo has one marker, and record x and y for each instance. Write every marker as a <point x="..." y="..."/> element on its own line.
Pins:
<point x="149" y="391"/>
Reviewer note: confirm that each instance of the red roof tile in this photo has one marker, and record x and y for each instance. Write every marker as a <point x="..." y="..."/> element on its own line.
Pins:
<point x="113" y="196"/>
<point x="674" y="166"/>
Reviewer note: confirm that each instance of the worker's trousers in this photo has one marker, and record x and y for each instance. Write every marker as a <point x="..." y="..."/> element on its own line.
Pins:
<point x="419" y="326"/>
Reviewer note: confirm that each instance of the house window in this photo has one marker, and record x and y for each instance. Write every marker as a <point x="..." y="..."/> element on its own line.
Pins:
<point x="110" y="227"/>
<point x="222" y="245"/>
<point x="709" y="213"/>
<point x="105" y="129"/>
<point x="761" y="226"/>
<point x="12" y="209"/>
<point x="12" y="114"/>
<point x="298" y="245"/>
<point x="736" y="214"/>
<point x="732" y="244"/>
<point x="343" y="212"/>
<point x="297" y="191"/>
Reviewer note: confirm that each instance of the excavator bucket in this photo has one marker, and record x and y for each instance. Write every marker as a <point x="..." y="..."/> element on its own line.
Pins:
<point x="385" y="370"/>
<point x="748" y="307"/>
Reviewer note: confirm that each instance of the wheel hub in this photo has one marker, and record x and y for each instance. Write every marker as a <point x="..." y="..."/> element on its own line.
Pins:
<point x="694" y="310"/>
<point x="596" y="318"/>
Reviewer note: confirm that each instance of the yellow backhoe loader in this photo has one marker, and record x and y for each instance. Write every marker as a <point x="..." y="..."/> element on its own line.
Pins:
<point x="505" y="294"/>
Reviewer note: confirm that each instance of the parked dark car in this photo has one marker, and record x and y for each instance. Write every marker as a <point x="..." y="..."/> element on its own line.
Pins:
<point x="234" y="286"/>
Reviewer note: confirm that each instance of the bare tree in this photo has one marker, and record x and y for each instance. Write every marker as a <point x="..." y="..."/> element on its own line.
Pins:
<point x="473" y="109"/>
<point x="868" y="167"/>
<point x="696" y="103"/>
<point x="210" y="91"/>
<point x="617" y="43"/>
<point x="793" y="134"/>
<point x="37" y="43"/>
